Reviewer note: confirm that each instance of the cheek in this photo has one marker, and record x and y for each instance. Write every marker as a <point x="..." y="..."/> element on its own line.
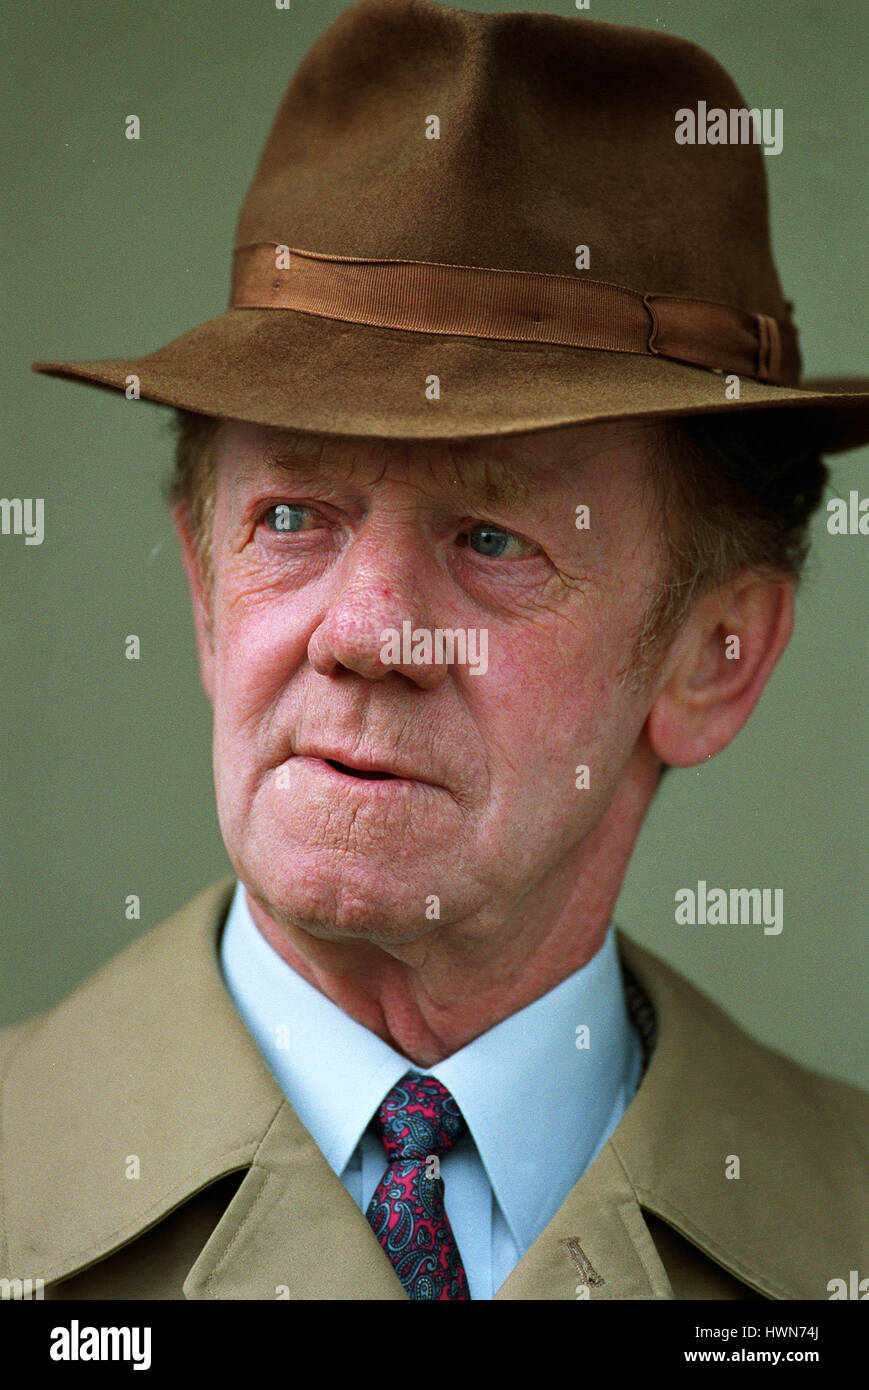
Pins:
<point x="259" y="641"/>
<point x="521" y="704"/>
<point x="553" y="701"/>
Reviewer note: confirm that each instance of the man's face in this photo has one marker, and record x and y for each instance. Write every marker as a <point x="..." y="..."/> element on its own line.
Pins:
<point x="319" y="549"/>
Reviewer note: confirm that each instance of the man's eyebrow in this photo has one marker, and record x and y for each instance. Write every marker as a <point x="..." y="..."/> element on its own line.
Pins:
<point x="477" y="479"/>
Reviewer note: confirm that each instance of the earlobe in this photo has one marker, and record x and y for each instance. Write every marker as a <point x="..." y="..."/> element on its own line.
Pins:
<point x="719" y="663"/>
<point x="200" y="597"/>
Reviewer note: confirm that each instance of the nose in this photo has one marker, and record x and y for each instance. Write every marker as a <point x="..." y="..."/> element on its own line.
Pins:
<point x="380" y="589"/>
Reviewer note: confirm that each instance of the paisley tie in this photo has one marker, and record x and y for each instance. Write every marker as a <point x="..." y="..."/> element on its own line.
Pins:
<point x="418" y="1122"/>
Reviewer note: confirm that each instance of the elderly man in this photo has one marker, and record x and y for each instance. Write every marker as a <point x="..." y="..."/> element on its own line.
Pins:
<point x="492" y="489"/>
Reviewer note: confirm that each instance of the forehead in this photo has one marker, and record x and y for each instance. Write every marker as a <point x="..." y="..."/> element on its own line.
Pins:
<point x="510" y="470"/>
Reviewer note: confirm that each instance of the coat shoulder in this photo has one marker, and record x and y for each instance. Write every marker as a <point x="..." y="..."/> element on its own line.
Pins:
<point x="752" y="1156"/>
<point x="151" y="1032"/>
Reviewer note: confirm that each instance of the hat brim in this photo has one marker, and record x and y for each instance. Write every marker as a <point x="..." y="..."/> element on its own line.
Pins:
<point x="327" y="376"/>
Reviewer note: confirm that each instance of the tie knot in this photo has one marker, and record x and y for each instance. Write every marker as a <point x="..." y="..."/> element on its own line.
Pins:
<point x="418" y="1118"/>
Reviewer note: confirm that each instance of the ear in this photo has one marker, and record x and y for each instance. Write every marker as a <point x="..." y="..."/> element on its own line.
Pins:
<point x="717" y="666"/>
<point x="200" y="597"/>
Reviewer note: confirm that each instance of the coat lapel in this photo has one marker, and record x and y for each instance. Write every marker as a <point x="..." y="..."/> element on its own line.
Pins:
<point x="596" y="1247"/>
<point x="292" y="1231"/>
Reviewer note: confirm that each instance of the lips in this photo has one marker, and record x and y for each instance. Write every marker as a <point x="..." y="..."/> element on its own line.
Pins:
<point x="371" y="765"/>
<point x="384" y="768"/>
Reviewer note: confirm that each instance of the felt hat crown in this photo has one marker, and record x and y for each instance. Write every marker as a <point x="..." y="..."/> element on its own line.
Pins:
<point x="467" y="224"/>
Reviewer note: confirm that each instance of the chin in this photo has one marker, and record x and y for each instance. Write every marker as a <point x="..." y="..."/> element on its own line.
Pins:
<point x="333" y="903"/>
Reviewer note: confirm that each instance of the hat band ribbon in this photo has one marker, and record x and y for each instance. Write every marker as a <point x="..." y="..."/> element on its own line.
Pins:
<point x="516" y="306"/>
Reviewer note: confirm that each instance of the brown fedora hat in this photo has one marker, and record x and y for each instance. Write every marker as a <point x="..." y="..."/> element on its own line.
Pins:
<point x="468" y="224"/>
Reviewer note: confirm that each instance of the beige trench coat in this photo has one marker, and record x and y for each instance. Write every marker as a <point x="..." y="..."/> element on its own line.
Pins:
<point x="147" y="1068"/>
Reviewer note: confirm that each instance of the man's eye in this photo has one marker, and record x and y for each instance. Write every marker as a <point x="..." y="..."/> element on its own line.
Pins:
<point x="492" y="541"/>
<point x="286" y="517"/>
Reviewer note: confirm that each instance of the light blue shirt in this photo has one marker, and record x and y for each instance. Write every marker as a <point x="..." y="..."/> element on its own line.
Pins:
<point x="539" y="1104"/>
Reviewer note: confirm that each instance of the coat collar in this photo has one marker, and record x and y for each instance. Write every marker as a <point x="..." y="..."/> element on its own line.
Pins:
<point x="148" y="1060"/>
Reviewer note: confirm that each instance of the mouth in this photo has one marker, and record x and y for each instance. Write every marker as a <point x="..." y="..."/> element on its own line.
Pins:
<point x="365" y="775"/>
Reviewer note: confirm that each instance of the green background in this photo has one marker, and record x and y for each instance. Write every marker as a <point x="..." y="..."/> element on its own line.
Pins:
<point x="113" y="247"/>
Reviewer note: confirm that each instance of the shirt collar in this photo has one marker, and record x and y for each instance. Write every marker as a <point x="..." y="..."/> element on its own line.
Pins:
<point x="522" y="1080"/>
